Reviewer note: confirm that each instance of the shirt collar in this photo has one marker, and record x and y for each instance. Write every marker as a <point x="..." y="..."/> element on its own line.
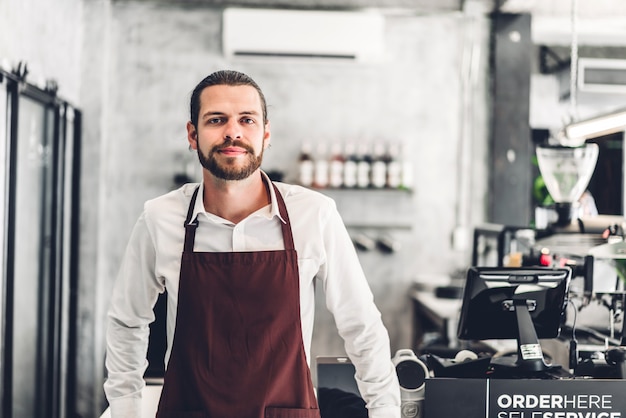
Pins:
<point x="273" y="210"/>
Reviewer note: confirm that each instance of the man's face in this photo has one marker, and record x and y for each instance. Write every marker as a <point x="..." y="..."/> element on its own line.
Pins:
<point x="231" y="135"/>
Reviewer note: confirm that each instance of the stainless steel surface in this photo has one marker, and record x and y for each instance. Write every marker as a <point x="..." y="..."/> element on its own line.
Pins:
<point x="573" y="244"/>
<point x="614" y="251"/>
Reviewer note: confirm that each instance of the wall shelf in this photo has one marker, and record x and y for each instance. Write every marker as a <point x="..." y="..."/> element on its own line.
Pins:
<point x="333" y="191"/>
<point x="379" y="209"/>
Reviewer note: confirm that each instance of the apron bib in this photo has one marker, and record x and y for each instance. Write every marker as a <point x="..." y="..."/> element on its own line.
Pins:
<point x="237" y="350"/>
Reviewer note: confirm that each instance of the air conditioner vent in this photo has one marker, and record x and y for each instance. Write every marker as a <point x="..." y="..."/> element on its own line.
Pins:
<point x="602" y="75"/>
<point x="345" y="35"/>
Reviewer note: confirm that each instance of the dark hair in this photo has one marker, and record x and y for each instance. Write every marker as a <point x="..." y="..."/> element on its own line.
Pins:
<point x="222" y="77"/>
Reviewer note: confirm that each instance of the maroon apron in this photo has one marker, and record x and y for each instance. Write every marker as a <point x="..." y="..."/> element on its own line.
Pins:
<point x="237" y="350"/>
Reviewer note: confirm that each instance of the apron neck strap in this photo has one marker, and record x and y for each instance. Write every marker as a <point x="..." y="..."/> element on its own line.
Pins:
<point x="286" y="226"/>
<point x="190" y="226"/>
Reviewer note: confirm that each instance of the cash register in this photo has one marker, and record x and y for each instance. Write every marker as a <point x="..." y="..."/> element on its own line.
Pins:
<point x="528" y="305"/>
<point x="499" y="303"/>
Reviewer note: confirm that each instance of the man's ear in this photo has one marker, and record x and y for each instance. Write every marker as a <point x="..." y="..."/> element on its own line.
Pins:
<point x="192" y="136"/>
<point x="267" y="136"/>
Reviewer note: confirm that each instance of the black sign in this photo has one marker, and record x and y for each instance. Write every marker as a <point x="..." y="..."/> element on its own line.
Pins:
<point x="525" y="398"/>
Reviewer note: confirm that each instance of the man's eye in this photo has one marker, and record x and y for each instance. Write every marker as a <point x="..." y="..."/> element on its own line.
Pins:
<point x="248" y="121"/>
<point x="213" y="121"/>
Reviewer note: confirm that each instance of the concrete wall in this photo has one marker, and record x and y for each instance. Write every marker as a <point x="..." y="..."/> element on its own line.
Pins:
<point x="46" y="36"/>
<point x="130" y="67"/>
<point x="420" y="95"/>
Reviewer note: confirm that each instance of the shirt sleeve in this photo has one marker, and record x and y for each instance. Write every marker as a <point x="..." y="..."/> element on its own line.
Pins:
<point x="130" y="313"/>
<point x="359" y="322"/>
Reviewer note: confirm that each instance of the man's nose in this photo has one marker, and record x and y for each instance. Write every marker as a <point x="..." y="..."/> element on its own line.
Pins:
<point x="232" y="130"/>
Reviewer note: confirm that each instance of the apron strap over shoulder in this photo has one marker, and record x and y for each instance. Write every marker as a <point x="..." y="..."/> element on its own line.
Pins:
<point x="286" y="226"/>
<point x="190" y="226"/>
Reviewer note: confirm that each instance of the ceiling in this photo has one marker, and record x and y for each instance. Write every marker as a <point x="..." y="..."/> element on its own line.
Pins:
<point x="417" y="5"/>
<point x="598" y="22"/>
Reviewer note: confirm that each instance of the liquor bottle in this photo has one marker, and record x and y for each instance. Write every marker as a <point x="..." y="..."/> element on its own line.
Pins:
<point x="336" y="163"/>
<point x="394" y="167"/>
<point x="320" y="175"/>
<point x="305" y="165"/>
<point x="379" y="166"/>
<point x="363" y="166"/>
<point x="349" y="165"/>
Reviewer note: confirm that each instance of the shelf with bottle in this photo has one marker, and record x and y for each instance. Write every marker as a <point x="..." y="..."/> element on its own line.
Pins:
<point x="376" y="209"/>
<point x="358" y="167"/>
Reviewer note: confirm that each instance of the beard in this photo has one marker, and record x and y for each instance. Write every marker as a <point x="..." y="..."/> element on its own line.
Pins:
<point x="228" y="170"/>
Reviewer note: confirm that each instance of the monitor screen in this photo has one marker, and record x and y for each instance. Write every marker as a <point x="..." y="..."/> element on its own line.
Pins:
<point x="491" y="294"/>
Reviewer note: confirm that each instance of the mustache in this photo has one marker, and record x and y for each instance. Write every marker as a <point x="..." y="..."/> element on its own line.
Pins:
<point x="233" y="143"/>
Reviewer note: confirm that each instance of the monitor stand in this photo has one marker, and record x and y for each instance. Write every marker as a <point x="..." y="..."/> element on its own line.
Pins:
<point x="529" y="361"/>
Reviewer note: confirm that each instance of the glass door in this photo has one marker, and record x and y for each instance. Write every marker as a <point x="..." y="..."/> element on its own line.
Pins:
<point x="32" y="252"/>
<point x="38" y="253"/>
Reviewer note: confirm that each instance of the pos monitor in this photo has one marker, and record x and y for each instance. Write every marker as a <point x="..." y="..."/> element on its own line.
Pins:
<point x="525" y="304"/>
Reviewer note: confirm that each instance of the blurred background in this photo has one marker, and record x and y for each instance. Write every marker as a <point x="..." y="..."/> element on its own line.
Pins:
<point x="94" y="101"/>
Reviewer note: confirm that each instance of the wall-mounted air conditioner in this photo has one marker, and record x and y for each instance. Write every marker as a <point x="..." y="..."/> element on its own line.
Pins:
<point x="602" y="75"/>
<point x="349" y="35"/>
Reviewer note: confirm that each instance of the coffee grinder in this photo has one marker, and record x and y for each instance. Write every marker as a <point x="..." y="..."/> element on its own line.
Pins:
<point x="566" y="172"/>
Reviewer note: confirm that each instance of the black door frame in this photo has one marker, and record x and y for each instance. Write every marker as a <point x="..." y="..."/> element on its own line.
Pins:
<point x="56" y="394"/>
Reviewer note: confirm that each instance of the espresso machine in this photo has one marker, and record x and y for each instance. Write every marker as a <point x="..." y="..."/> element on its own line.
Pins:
<point x="575" y="228"/>
<point x="593" y="247"/>
<point x="569" y="233"/>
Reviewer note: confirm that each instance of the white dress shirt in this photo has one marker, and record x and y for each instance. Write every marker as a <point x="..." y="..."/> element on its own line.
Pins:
<point x="151" y="264"/>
